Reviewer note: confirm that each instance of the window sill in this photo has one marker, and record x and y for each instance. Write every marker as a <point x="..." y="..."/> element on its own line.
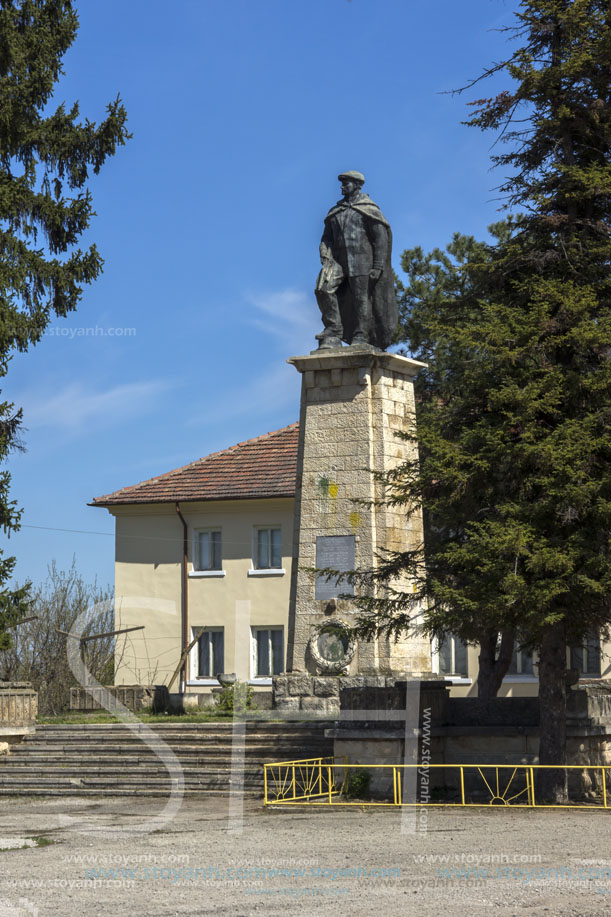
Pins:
<point x="204" y="573"/>
<point x="458" y="679"/>
<point x="273" y="571"/>
<point x="264" y="681"/>
<point x="203" y="683"/>
<point x="520" y="679"/>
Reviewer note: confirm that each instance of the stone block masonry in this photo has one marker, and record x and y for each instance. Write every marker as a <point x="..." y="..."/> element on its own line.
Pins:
<point x="353" y="406"/>
<point x="18" y="704"/>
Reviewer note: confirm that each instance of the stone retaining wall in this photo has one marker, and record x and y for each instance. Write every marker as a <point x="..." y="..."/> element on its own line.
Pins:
<point x="315" y="694"/>
<point x="358" y="697"/>
<point x="468" y="731"/>
<point x="134" y="697"/>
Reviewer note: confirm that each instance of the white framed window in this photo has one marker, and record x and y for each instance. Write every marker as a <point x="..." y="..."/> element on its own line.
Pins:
<point x="521" y="663"/>
<point x="208" y="657"/>
<point x="266" y="551"/>
<point x="207" y="553"/>
<point x="586" y="657"/>
<point x="267" y="651"/>
<point x="452" y="656"/>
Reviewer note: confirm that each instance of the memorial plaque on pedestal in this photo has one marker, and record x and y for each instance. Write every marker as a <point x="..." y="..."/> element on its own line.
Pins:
<point x="334" y="552"/>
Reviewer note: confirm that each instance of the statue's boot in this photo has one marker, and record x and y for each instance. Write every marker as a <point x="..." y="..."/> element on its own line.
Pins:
<point x="327" y="340"/>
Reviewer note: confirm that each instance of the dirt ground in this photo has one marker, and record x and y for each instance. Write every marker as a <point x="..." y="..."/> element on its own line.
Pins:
<point x="236" y="858"/>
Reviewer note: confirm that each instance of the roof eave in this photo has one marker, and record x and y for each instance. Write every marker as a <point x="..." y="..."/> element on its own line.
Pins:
<point x="224" y="499"/>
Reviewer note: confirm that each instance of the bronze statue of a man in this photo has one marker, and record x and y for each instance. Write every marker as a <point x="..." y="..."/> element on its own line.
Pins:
<point x="355" y="289"/>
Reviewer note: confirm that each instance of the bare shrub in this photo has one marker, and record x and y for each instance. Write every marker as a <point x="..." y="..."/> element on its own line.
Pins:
<point x="38" y="653"/>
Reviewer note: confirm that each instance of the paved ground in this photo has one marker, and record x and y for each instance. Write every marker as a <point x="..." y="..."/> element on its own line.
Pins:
<point x="215" y="859"/>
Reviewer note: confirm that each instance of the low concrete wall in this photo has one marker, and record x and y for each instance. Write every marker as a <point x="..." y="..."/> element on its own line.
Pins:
<point x="378" y="699"/>
<point x="469" y="731"/>
<point x="18" y="710"/>
<point x="134" y="697"/>
<point x="18" y="704"/>
<point x="498" y="711"/>
<point x="591" y="701"/>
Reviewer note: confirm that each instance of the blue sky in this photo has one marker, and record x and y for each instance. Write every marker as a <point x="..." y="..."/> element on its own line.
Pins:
<point x="243" y="112"/>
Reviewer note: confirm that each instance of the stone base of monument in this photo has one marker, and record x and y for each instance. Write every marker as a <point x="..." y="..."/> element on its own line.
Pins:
<point x="353" y="699"/>
<point x="307" y="694"/>
<point x="357" y="419"/>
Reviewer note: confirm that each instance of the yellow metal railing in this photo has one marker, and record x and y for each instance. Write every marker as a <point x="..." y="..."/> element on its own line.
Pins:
<point x="302" y="780"/>
<point x="324" y="781"/>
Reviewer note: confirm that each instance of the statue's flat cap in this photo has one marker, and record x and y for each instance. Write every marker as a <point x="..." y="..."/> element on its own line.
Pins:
<point x="353" y="176"/>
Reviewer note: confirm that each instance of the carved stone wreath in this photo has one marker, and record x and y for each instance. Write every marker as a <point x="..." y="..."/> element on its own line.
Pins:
<point x="331" y="648"/>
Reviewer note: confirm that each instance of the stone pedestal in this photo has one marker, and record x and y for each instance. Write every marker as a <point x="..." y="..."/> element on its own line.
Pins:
<point x="352" y="405"/>
<point x="18" y="704"/>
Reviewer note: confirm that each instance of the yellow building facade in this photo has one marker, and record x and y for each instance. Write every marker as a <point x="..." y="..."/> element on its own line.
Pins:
<point x="207" y="550"/>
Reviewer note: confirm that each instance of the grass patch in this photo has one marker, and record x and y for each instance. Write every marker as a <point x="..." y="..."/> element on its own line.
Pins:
<point x="65" y="718"/>
<point x="43" y="841"/>
<point x="205" y="716"/>
<point x="24" y="843"/>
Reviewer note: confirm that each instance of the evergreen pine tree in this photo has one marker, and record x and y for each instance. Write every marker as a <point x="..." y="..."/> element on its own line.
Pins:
<point x="557" y="124"/>
<point x="514" y="413"/>
<point x="45" y="206"/>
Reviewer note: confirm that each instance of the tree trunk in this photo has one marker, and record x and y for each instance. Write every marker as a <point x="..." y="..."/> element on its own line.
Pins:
<point x="552" y="784"/>
<point x="493" y="667"/>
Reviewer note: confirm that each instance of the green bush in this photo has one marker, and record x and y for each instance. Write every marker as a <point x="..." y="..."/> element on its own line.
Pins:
<point x="356" y="785"/>
<point x="235" y="698"/>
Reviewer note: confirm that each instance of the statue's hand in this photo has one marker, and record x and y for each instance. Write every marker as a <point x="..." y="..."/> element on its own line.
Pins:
<point x="375" y="273"/>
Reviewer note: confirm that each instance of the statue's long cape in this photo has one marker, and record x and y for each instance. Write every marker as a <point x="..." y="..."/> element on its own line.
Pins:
<point x="385" y="309"/>
<point x="365" y="205"/>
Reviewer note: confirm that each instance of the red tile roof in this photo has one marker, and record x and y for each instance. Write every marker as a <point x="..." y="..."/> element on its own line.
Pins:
<point x="261" y="467"/>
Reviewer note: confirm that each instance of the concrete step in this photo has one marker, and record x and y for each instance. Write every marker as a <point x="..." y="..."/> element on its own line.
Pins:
<point x="173" y="738"/>
<point x="222" y="779"/>
<point x="82" y="791"/>
<point x="106" y="752"/>
<point x="119" y="769"/>
<point x="285" y="728"/>
<point x="109" y="760"/>
<point x="193" y="747"/>
<point x="24" y="786"/>
<point x="136" y="777"/>
<point x="119" y="744"/>
<point x="179" y="741"/>
<point x="296" y="722"/>
<point x="76" y="763"/>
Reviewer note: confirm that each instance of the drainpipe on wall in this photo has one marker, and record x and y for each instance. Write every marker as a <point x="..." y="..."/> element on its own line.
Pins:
<point x="184" y="598"/>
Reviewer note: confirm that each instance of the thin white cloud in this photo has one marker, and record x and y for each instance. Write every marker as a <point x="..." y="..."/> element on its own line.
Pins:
<point x="292" y="318"/>
<point x="290" y="315"/>
<point x="272" y="391"/>
<point x="77" y="407"/>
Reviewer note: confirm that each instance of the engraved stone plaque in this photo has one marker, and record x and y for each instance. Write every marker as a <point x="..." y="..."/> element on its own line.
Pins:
<point x="335" y="552"/>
